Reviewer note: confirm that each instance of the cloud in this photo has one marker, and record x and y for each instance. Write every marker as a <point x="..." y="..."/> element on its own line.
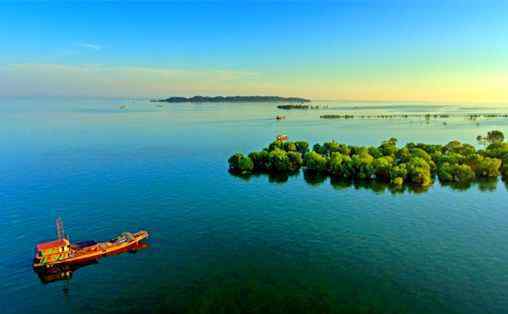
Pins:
<point x="151" y="82"/>
<point x="89" y="46"/>
<point x="115" y="81"/>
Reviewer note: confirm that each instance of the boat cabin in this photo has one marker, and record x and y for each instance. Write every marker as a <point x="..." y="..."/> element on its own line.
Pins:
<point x="48" y="252"/>
<point x="282" y="138"/>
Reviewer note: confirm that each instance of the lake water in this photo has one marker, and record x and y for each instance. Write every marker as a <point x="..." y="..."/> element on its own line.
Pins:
<point x="222" y="244"/>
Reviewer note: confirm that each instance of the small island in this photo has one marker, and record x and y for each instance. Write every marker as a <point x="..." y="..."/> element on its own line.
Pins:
<point x="202" y="99"/>
<point x="297" y="106"/>
<point x="417" y="165"/>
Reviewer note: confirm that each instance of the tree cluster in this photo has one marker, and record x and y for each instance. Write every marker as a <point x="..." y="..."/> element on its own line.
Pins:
<point x="414" y="164"/>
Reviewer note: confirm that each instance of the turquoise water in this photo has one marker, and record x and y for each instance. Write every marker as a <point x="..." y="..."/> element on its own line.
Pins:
<point x="224" y="244"/>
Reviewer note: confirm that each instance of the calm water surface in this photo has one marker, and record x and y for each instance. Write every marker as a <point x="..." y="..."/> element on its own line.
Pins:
<point x="224" y="244"/>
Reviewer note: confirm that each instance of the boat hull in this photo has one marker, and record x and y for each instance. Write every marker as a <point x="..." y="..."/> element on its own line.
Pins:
<point x="95" y="252"/>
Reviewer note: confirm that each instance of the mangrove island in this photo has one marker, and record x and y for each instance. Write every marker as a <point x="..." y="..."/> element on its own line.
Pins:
<point x="201" y="99"/>
<point x="413" y="164"/>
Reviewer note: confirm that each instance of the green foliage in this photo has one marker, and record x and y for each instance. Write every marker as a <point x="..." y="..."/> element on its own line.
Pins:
<point x="388" y="147"/>
<point x="497" y="150"/>
<point x="451" y="158"/>
<point x="279" y="161"/>
<point x="461" y="174"/>
<point x="339" y="165"/>
<point x="382" y="167"/>
<point x="375" y="152"/>
<point x="295" y="161"/>
<point x="415" y="163"/>
<point x="418" y="171"/>
<point x="403" y="155"/>
<point x="240" y="164"/>
<point x="430" y="148"/>
<point x="419" y="152"/>
<point x="397" y="181"/>
<point x="302" y="147"/>
<point x="399" y="171"/>
<point x="459" y="148"/>
<point x="331" y="147"/>
<point x="486" y="167"/>
<point x="362" y="165"/>
<point x="504" y="168"/>
<point x="289" y="147"/>
<point x="495" y="136"/>
<point x="260" y="160"/>
<point x="315" y="162"/>
<point x="276" y="145"/>
<point x="453" y="146"/>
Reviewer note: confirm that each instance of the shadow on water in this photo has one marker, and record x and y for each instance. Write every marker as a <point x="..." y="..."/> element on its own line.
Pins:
<point x="65" y="272"/>
<point x="272" y="177"/>
<point x="316" y="179"/>
<point x="483" y="184"/>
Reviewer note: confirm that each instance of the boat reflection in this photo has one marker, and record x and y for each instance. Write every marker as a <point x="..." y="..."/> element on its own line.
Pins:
<point x="64" y="272"/>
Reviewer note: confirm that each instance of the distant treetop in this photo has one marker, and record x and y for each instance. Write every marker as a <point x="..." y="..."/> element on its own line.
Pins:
<point x="232" y="99"/>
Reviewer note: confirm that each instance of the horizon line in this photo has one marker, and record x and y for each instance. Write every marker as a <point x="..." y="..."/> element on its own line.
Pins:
<point x="251" y="95"/>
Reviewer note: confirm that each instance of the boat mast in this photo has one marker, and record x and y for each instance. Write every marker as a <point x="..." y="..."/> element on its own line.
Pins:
<point x="60" y="235"/>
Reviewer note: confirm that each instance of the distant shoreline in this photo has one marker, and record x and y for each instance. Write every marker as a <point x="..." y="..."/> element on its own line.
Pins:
<point x="201" y="99"/>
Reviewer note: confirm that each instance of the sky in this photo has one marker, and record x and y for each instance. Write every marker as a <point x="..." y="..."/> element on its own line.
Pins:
<point x="454" y="51"/>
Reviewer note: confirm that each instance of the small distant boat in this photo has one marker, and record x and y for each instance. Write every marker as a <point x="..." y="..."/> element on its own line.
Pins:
<point x="282" y="137"/>
<point x="123" y="107"/>
<point x="280" y="117"/>
<point x="62" y="252"/>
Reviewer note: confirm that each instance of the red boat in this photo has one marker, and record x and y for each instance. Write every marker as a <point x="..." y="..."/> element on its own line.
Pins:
<point x="63" y="252"/>
<point x="282" y="138"/>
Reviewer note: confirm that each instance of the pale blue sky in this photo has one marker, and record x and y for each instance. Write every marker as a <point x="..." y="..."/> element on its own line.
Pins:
<point x="428" y="50"/>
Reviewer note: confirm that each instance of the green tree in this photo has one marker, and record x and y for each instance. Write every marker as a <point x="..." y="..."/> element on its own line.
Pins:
<point x="397" y="181"/>
<point x="339" y="165"/>
<point x="240" y="164"/>
<point x="315" y="162"/>
<point x="295" y="161"/>
<point x="290" y="147"/>
<point x="279" y="161"/>
<point x="461" y="174"/>
<point x="302" y="147"/>
<point x="497" y="150"/>
<point x="403" y="155"/>
<point x="382" y="168"/>
<point x="362" y="165"/>
<point x="504" y="168"/>
<point x="418" y="172"/>
<point x="495" y="136"/>
<point x="260" y="160"/>
<point x="486" y="167"/>
<point x="375" y="152"/>
<point x="451" y="158"/>
<point x="388" y="147"/>
<point x="276" y="145"/>
<point x="459" y="148"/>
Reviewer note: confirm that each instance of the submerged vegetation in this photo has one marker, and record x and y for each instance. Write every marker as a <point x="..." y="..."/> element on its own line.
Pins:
<point x="416" y="165"/>
<point x="426" y="116"/>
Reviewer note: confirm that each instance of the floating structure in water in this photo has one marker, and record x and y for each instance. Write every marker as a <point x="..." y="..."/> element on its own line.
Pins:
<point x="62" y="252"/>
<point x="282" y="137"/>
